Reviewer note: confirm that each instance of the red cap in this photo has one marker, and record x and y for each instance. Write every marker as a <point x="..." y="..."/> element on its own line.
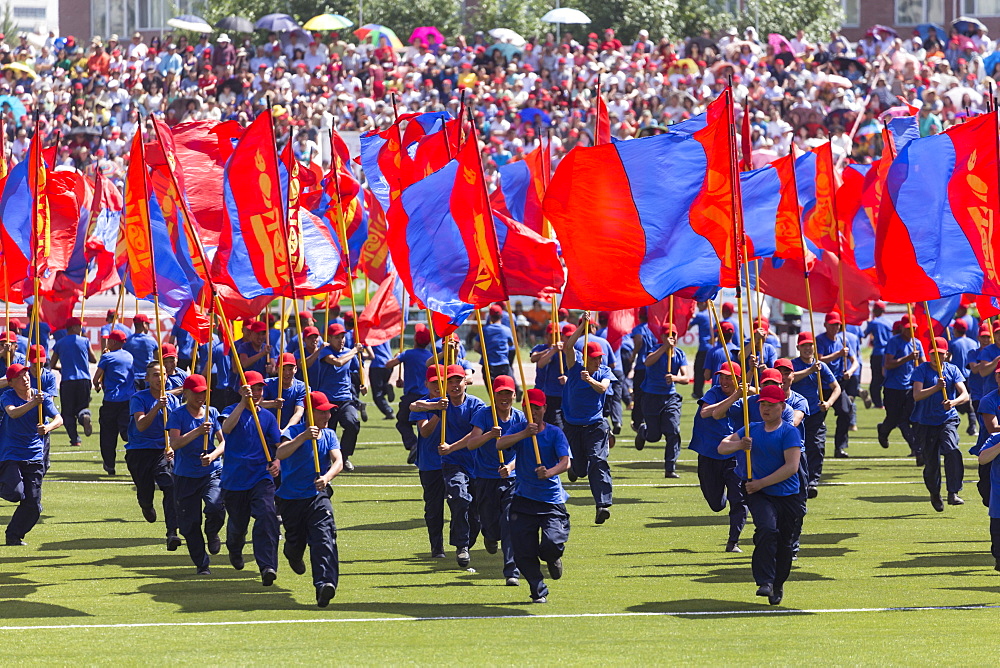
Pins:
<point x="960" y="326"/>
<point x="141" y="317"/>
<point x="435" y="371"/>
<point x="456" y="371"/>
<point x="995" y="324"/>
<point x="984" y="330"/>
<point x="594" y="349"/>
<point x="336" y="329"/>
<point x="771" y="394"/>
<point x="12" y="337"/>
<point x="14" y="370"/>
<point x="496" y="309"/>
<point x="111" y="312"/>
<point x="254" y="378"/>
<point x="36" y="353"/>
<point x="503" y="383"/>
<point x="833" y="318"/>
<point x="536" y="397"/>
<point x="14" y="324"/>
<point x="564" y="313"/>
<point x="880" y="304"/>
<point x="551" y="327"/>
<point x="288" y="359"/>
<point x="729" y="369"/>
<point x="805" y="337"/>
<point x="784" y="363"/>
<point x="117" y="335"/>
<point x="168" y="350"/>
<point x="257" y="326"/>
<point x="73" y="322"/>
<point x="310" y="331"/>
<point x="320" y="402"/>
<point x="421" y="337"/>
<point x="940" y="344"/>
<point x="760" y="323"/>
<point x="728" y="306"/>
<point x="196" y="383"/>
<point x="770" y="375"/>
<point x="727" y="327"/>
<point x="905" y="319"/>
<point x="305" y="315"/>
<point x="568" y="330"/>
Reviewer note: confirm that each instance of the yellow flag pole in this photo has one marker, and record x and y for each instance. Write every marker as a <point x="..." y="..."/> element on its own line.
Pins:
<point x="208" y="369"/>
<point x="937" y="356"/>
<point x="524" y="385"/>
<point x="342" y="222"/>
<point x="437" y="364"/>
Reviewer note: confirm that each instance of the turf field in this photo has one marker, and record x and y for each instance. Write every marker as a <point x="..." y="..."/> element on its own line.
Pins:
<point x="882" y="578"/>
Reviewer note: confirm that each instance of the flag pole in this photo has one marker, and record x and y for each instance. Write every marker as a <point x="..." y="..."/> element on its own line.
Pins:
<point x="937" y="356"/>
<point x="281" y="350"/>
<point x="41" y="241"/>
<point x="437" y="365"/>
<point x="208" y="368"/>
<point x="805" y="274"/>
<point x="486" y="367"/>
<point x="342" y="224"/>
<point x="6" y="305"/>
<point x="840" y="257"/>
<point x="722" y="340"/>
<point x="524" y="385"/>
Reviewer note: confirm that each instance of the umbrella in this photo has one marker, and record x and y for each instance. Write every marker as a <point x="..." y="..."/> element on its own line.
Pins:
<point x="842" y="62"/>
<point x="508" y="50"/>
<point x="684" y="66"/>
<point x="779" y="43"/>
<point x="190" y="22"/>
<point x="423" y="33"/>
<point x="374" y="33"/>
<point x="235" y="24"/>
<point x="328" y="22"/>
<point x="838" y="80"/>
<point x="737" y="46"/>
<point x="88" y="130"/>
<point x="924" y="29"/>
<point x="276" y="23"/>
<point x="990" y="62"/>
<point x="880" y="31"/>
<point x="966" y="25"/>
<point x="20" y="67"/>
<point x="507" y="35"/>
<point x="566" y="15"/>
<point x="956" y="94"/>
<point x="534" y="115"/>
<point x="15" y="105"/>
<point x="721" y="65"/>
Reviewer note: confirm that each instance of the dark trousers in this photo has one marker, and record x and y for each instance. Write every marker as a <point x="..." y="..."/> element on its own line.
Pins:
<point x="379" y="377"/>
<point x="432" y="483"/>
<point x="843" y="408"/>
<point x="113" y="421"/>
<point x="969" y="410"/>
<point x="662" y="414"/>
<point x="74" y="404"/>
<point x="995" y="538"/>
<point x="878" y="377"/>
<point x="350" y="426"/>
<point x="627" y="358"/>
<point x="803" y="496"/>
<point x="553" y="411"/>
<point x="638" y="376"/>
<point x="403" y="424"/>
<point x="494" y="496"/>
<point x="937" y="441"/>
<point x="720" y="484"/>
<point x="898" y="408"/>
<point x="528" y="519"/>
<point x="984" y="483"/>
<point x="223" y="397"/>
<point x="699" y="373"/>
<point x="589" y="445"/>
<point x="258" y="503"/>
<point x="310" y="522"/>
<point x="459" y="490"/>
<point x="613" y="406"/>
<point x="774" y="520"/>
<point x="815" y="443"/>
<point x="150" y="469"/>
<point x="21" y="483"/>
<point x="195" y="497"/>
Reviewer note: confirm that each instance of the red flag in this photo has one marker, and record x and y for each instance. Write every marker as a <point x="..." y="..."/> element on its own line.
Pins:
<point x="658" y="315"/>
<point x="602" y="127"/>
<point x="134" y="243"/>
<point x="531" y="265"/>
<point x="787" y="284"/>
<point x="620" y="324"/>
<point x="821" y="224"/>
<point x="747" y="163"/>
<point x="787" y="229"/>
<point x="106" y="210"/>
<point x="374" y="258"/>
<point x="383" y="318"/>
<point x="41" y="223"/>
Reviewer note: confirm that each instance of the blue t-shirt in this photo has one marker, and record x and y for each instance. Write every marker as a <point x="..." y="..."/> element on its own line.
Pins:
<point x="381" y="354"/>
<point x="648" y="342"/>
<point x="176" y="379"/>
<point x="768" y="455"/>
<point x="753" y="411"/>
<point x="124" y="329"/>
<point x="74" y="357"/>
<point x="428" y="458"/>
<point x="119" y="375"/>
<point x="767" y="355"/>
<point x="414" y="363"/>
<point x="581" y="405"/>
<point x="44" y="334"/>
<point x="552" y="446"/>
<point x="49" y="382"/>
<point x="735" y="322"/>
<point x="881" y="331"/>
<point x="335" y="381"/>
<point x="294" y="395"/>
<point x="988" y="405"/>
<point x="716" y="357"/>
<point x="988" y="354"/>
<point x="929" y="411"/>
<point x="19" y="439"/>
<point x="187" y="460"/>
<point x="244" y="347"/>
<point x="962" y="350"/>
<point x="897" y="348"/>
<point x="499" y="343"/>
<point x="703" y="322"/>
<point x="707" y="433"/>
<point x="655" y="381"/>
<point x="487" y="461"/>
<point x="183" y="341"/>
<point x="143" y="348"/>
<point x="298" y="471"/>
<point x="992" y="442"/>
<point x="22" y="344"/>
<point x="797" y="402"/>
<point x="245" y="464"/>
<point x="152" y="438"/>
<point x="807" y="386"/>
<point x="547" y="377"/>
<point x="459" y="423"/>
<point x="607" y="352"/>
<point x="826" y="346"/>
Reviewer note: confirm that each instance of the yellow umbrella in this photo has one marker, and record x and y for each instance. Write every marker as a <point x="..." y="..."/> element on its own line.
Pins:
<point x="21" y="67"/>
<point x="685" y="66"/>
<point x="328" y="22"/>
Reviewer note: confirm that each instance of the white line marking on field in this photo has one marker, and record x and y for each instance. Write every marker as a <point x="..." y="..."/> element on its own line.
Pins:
<point x="363" y="620"/>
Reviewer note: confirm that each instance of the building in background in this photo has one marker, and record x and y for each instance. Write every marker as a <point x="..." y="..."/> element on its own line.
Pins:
<point x="84" y="18"/>
<point x="38" y="16"/>
<point x="905" y="15"/>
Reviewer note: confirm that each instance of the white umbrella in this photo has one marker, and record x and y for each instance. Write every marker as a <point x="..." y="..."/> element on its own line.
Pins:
<point x="566" y="15"/>
<point x="956" y="95"/>
<point x="190" y="22"/>
<point x="507" y="35"/>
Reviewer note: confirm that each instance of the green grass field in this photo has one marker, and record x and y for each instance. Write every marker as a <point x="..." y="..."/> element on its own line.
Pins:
<point x="653" y="585"/>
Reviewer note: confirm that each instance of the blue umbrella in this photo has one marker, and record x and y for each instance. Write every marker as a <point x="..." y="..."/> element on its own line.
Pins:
<point x="925" y="29"/>
<point x="535" y="115"/>
<point x="15" y="106"/>
<point x="967" y="25"/>
<point x="277" y="23"/>
<point x="990" y="62"/>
